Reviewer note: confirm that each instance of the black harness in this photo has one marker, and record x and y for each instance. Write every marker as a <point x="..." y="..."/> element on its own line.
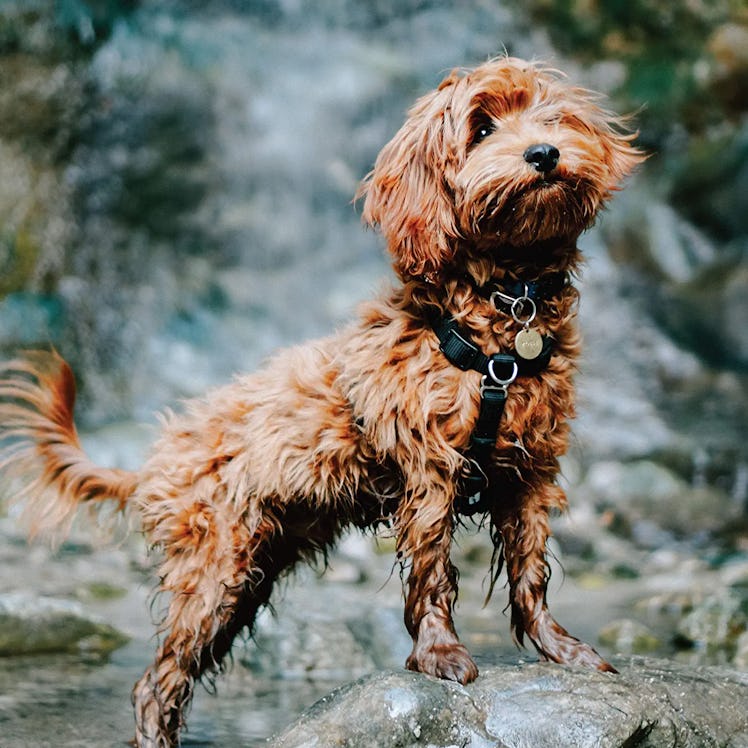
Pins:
<point x="499" y="371"/>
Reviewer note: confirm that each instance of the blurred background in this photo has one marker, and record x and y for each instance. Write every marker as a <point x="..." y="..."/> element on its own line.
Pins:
<point x="176" y="183"/>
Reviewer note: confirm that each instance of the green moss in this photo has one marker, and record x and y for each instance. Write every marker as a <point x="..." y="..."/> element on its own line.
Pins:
<point x="18" y="255"/>
<point x="663" y="46"/>
<point x="103" y="591"/>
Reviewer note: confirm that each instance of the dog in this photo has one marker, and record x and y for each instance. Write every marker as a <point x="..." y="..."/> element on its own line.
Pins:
<point x="447" y="397"/>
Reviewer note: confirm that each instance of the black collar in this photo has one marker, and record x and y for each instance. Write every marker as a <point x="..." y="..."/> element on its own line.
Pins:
<point x="505" y="292"/>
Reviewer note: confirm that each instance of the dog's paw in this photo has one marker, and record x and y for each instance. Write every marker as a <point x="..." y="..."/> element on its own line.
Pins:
<point x="586" y="656"/>
<point x="570" y="651"/>
<point x="556" y="644"/>
<point x="448" y="661"/>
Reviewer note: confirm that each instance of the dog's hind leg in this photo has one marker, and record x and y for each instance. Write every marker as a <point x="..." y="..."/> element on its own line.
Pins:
<point x="163" y="694"/>
<point x="217" y="586"/>
<point x="524" y="533"/>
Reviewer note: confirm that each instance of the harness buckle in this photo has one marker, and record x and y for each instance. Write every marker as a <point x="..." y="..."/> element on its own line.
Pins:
<point x="492" y="381"/>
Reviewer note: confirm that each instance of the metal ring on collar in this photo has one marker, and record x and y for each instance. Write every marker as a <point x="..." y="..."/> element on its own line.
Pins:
<point x="516" y="312"/>
<point x="503" y="382"/>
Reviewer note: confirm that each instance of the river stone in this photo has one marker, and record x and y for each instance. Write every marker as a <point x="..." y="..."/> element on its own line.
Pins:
<point x="31" y="625"/>
<point x="311" y="645"/>
<point x="630" y="636"/>
<point x="652" y="502"/>
<point x="651" y="703"/>
<point x="305" y="647"/>
<point x="741" y="651"/>
<point x="715" y="623"/>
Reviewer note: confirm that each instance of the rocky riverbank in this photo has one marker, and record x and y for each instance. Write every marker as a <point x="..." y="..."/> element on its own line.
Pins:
<point x="330" y="629"/>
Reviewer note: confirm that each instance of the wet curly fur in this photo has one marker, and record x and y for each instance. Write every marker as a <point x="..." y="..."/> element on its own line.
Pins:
<point x="369" y="425"/>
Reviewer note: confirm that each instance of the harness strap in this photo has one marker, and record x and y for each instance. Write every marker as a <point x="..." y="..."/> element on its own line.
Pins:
<point x="499" y="371"/>
<point x="460" y="351"/>
<point x="482" y="443"/>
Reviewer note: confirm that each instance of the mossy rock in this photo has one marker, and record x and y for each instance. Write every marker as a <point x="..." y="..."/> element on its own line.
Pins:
<point x="629" y="637"/>
<point x="31" y="625"/>
<point x="18" y="254"/>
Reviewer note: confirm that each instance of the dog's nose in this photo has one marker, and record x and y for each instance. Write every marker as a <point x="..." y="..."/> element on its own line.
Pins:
<point x="542" y="156"/>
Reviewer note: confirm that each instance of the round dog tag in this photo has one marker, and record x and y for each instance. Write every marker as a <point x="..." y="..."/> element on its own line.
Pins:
<point x="528" y="343"/>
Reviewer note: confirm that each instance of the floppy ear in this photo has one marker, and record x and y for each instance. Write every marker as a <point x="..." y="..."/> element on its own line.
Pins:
<point x="407" y="193"/>
<point x="621" y="157"/>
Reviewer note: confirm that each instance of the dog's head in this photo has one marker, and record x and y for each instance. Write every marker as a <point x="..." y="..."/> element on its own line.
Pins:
<point x="507" y="155"/>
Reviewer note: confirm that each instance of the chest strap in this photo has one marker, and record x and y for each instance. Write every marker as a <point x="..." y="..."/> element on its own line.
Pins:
<point x="499" y="371"/>
<point x="456" y="345"/>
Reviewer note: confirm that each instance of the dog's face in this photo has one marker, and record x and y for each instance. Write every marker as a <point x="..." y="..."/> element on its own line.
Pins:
<point x="506" y="156"/>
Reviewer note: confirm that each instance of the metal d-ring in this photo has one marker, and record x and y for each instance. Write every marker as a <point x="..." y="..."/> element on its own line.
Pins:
<point x="503" y="382"/>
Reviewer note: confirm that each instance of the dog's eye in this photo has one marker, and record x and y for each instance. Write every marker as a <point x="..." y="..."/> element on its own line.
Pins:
<point x="482" y="131"/>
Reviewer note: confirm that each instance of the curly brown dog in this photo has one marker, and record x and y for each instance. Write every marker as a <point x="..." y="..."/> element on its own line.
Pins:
<point x="448" y="396"/>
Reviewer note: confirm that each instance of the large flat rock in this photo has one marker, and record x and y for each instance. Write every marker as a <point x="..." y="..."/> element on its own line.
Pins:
<point x="651" y="703"/>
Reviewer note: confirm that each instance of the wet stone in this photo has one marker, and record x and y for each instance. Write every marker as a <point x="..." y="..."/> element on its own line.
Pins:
<point x="650" y="703"/>
<point x="629" y="637"/>
<point x="717" y="622"/>
<point x="31" y="625"/>
<point x="313" y="645"/>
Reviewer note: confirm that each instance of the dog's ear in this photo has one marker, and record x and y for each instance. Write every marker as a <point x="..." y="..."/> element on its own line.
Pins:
<point x="408" y="195"/>
<point x="621" y="157"/>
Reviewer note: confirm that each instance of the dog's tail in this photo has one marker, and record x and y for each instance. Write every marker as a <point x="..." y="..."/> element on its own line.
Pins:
<point x="40" y="453"/>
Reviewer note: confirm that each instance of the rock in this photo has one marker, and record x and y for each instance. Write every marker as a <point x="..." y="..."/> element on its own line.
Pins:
<point x="294" y="647"/>
<point x="629" y="637"/>
<point x="741" y="652"/>
<point x="650" y="703"/>
<point x="651" y="236"/>
<point x="314" y="646"/>
<point x="31" y="625"/>
<point x="729" y="46"/>
<point x="715" y="623"/>
<point x="706" y="314"/>
<point x="651" y="503"/>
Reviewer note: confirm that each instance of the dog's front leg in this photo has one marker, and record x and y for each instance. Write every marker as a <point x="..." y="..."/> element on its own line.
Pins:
<point x="524" y="533"/>
<point x="425" y="524"/>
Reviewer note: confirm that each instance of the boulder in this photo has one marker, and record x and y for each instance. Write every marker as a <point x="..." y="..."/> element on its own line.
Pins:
<point x="32" y="625"/>
<point x="305" y="643"/>
<point x="650" y="703"/>
<point x="630" y="636"/>
<point x="715" y="623"/>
